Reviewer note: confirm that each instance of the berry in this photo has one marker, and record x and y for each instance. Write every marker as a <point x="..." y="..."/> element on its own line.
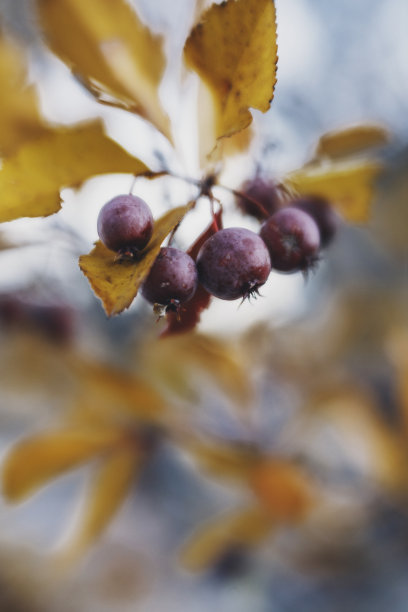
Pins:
<point x="258" y="191"/>
<point x="172" y="279"/>
<point x="326" y="218"/>
<point x="125" y="223"/>
<point x="292" y="238"/>
<point x="233" y="263"/>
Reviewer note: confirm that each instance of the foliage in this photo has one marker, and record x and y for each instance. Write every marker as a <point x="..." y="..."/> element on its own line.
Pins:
<point x="118" y="416"/>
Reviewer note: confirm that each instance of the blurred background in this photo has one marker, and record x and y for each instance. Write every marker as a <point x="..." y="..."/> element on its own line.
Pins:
<point x="291" y="411"/>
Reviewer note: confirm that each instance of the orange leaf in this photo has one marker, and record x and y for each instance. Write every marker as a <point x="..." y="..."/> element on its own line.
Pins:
<point x="117" y="283"/>
<point x="34" y="461"/>
<point x="282" y="488"/>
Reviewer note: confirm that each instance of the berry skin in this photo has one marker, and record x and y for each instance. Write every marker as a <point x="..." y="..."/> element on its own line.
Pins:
<point x="233" y="263"/>
<point x="125" y="223"/>
<point x="326" y="218"/>
<point x="261" y="191"/>
<point x="292" y="238"/>
<point x="172" y="279"/>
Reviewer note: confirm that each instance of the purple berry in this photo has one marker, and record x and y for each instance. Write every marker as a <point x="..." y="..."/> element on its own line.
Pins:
<point x="125" y="223"/>
<point x="292" y="238"/>
<point x="262" y="199"/>
<point x="233" y="263"/>
<point x="325" y="216"/>
<point x="172" y="279"/>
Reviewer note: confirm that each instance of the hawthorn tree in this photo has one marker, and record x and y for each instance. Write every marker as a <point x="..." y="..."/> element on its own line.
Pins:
<point x="118" y="417"/>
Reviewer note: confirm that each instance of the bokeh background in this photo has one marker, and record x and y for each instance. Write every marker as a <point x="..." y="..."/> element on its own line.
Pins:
<point x="326" y="360"/>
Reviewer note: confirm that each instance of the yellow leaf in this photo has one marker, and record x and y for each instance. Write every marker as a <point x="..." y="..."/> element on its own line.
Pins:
<point x="34" y="461"/>
<point x="349" y="186"/>
<point x="351" y="140"/>
<point x="115" y="393"/>
<point x="30" y="180"/>
<point x="282" y="488"/>
<point x="234" y="51"/>
<point x="19" y="115"/>
<point x="114" y="55"/>
<point x="223" y="461"/>
<point x="243" y="528"/>
<point x="104" y="496"/>
<point x="189" y="360"/>
<point x="116" y="283"/>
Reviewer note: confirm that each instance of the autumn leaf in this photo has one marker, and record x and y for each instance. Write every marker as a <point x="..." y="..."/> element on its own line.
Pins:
<point x="234" y="51"/>
<point x="115" y="393"/>
<point x="112" y="53"/>
<point x="20" y="118"/>
<point x="221" y="460"/>
<point x="351" y="140"/>
<point x="348" y="185"/>
<point x="34" y="461"/>
<point x="242" y="528"/>
<point x="282" y="488"/>
<point x="31" y="179"/>
<point x="183" y="361"/>
<point x="117" y="283"/>
<point x="105" y="494"/>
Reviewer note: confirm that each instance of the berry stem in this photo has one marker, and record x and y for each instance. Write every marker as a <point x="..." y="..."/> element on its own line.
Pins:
<point x="240" y="194"/>
<point x="213" y="213"/>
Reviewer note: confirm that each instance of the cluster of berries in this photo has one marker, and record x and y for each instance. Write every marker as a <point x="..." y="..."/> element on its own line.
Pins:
<point x="234" y="262"/>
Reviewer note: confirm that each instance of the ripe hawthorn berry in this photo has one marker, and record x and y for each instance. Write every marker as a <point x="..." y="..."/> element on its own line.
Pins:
<point x="125" y="224"/>
<point x="293" y="239"/>
<point x="172" y="279"/>
<point x="258" y="191"/>
<point x="233" y="263"/>
<point x="326" y="218"/>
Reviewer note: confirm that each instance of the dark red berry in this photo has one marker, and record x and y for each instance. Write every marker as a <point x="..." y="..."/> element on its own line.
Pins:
<point x="233" y="263"/>
<point x="292" y="238"/>
<point x="326" y="218"/>
<point x="259" y="198"/>
<point x="125" y="223"/>
<point x="172" y="279"/>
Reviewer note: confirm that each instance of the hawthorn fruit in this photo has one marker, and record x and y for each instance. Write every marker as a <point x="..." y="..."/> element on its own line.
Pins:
<point x="326" y="218"/>
<point x="172" y="279"/>
<point x="233" y="263"/>
<point x="125" y="224"/>
<point x="259" y="198"/>
<point x="293" y="240"/>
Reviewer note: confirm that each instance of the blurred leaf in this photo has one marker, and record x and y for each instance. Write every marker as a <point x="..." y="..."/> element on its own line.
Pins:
<point x="349" y="186"/>
<point x="112" y="53"/>
<point x="34" y="461"/>
<point x="376" y="450"/>
<point x="191" y="311"/>
<point x="20" y="119"/>
<point x="116" y="283"/>
<point x="283" y="489"/>
<point x="234" y="51"/>
<point x="236" y="144"/>
<point x="351" y="140"/>
<point x="223" y="461"/>
<point x="245" y="528"/>
<point x="107" y="491"/>
<point x="30" y="180"/>
<point x="187" y="362"/>
<point x="115" y="392"/>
